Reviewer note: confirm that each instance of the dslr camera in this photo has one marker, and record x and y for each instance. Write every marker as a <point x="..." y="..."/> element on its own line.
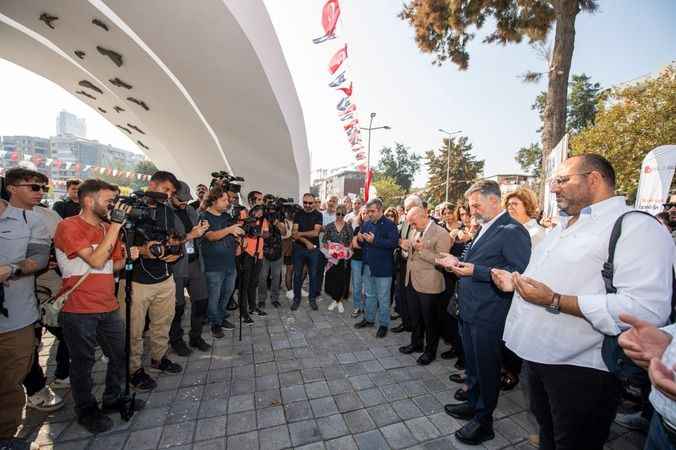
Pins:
<point x="227" y="182"/>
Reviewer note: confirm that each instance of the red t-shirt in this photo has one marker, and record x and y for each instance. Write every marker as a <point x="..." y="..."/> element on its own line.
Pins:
<point x="96" y="294"/>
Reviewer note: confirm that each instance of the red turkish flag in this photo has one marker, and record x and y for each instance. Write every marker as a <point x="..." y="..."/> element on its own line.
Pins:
<point x="337" y="60"/>
<point x="367" y="185"/>
<point x="330" y="15"/>
<point x="57" y="164"/>
<point x="346" y="90"/>
<point x="15" y="156"/>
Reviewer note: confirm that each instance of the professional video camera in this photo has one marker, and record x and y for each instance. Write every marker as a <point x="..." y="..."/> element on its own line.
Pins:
<point x="229" y="183"/>
<point x="142" y="218"/>
<point x="277" y="208"/>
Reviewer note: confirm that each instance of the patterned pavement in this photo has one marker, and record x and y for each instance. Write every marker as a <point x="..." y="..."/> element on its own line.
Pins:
<point x="303" y="380"/>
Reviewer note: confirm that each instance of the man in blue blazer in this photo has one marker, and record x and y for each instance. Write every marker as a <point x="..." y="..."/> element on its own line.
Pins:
<point x="500" y="243"/>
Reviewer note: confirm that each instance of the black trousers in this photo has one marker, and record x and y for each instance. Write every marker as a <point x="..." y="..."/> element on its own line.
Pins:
<point x="424" y="315"/>
<point x="400" y="297"/>
<point x="511" y="363"/>
<point x="36" y="379"/>
<point x="251" y="270"/>
<point x="482" y="343"/>
<point x="574" y="406"/>
<point x="321" y="265"/>
<point x="196" y="284"/>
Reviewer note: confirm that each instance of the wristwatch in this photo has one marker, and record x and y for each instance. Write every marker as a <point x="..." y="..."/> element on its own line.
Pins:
<point x="555" y="307"/>
<point x="14" y="271"/>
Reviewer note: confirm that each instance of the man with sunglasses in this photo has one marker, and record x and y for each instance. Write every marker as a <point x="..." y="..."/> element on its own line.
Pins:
<point x="562" y="309"/>
<point x="306" y="227"/>
<point x="24" y="250"/>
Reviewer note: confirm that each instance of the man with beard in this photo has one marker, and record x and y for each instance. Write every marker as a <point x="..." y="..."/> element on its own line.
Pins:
<point x="201" y="193"/>
<point x="501" y="243"/>
<point x="89" y="252"/>
<point x="562" y="309"/>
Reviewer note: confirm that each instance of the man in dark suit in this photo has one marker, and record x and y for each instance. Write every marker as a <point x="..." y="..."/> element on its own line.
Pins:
<point x="501" y="243"/>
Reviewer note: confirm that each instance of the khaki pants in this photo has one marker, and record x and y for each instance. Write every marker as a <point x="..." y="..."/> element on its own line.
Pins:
<point x="158" y="302"/>
<point x="16" y="358"/>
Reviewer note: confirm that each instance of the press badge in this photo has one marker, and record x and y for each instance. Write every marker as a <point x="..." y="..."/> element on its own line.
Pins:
<point x="189" y="248"/>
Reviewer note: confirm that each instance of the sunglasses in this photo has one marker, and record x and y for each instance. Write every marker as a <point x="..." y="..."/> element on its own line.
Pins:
<point x="35" y="187"/>
<point x="668" y="205"/>
<point x="308" y="203"/>
<point x="339" y="214"/>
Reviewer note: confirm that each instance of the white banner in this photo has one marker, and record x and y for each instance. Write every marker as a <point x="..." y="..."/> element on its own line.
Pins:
<point x="557" y="156"/>
<point x="657" y="172"/>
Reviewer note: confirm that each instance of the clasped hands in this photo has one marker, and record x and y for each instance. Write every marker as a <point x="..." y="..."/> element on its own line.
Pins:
<point x="450" y="262"/>
<point x="529" y="289"/>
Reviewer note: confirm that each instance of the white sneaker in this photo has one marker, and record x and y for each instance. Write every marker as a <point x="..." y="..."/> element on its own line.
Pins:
<point x="333" y="305"/>
<point x="304" y="293"/>
<point x="289" y="294"/>
<point x="58" y="383"/>
<point x="340" y="307"/>
<point x="45" y="400"/>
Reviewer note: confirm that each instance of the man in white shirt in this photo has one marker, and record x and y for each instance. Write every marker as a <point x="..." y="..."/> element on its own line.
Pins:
<point x="561" y="310"/>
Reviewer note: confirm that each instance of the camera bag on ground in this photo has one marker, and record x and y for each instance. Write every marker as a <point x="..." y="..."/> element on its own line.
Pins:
<point x="619" y="364"/>
<point x="51" y="308"/>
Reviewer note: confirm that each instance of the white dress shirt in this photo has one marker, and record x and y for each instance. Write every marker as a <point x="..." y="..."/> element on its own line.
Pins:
<point x="663" y="404"/>
<point x="537" y="233"/>
<point x="569" y="260"/>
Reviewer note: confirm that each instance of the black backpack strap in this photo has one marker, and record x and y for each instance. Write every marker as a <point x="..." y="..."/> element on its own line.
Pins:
<point x="608" y="266"/>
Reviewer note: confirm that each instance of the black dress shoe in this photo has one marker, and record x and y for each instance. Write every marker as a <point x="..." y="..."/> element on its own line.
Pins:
<point x="462" y="411"/>
<point x="408" y="349"/>
<point x="474" y="433"/>
<point x="460" y="364"/>
<point x="363" y="324"/>
<point x="382" y="332"/>
<point x="425" y="359"/>
<point x="457" y="378"/>
<point x="399" y="328"/>
<point x="449" y="354"/>
<point x="461" y="395"/>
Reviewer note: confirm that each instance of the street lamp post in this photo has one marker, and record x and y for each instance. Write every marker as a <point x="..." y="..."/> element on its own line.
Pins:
<point x="448" y="156"/>
<point x="368" y="146"/>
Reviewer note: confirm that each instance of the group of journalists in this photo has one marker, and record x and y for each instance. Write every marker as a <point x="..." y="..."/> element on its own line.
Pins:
<point x="454" y="276"/>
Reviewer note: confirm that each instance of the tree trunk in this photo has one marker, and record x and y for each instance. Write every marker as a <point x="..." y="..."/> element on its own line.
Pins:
<point x="554" y="126"/>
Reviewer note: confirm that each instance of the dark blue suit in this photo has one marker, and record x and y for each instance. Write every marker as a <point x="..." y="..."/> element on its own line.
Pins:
<point x="483" y="309"/>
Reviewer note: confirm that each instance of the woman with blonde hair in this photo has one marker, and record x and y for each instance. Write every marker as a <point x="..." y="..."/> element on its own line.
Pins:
<point x="522" y="205"/>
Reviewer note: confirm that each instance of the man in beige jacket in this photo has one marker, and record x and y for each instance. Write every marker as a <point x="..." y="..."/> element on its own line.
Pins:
<point x="424" y="283"/>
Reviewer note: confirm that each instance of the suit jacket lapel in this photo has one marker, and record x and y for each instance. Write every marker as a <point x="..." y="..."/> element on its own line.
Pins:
<point x="488" y="234"/>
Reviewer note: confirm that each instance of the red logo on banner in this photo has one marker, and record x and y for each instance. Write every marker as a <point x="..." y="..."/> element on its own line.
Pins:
<point x="337" y="60"/>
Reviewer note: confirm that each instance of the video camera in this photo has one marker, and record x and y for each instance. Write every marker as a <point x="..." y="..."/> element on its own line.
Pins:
<point x="227" y="182"/>
<point x="143" y="217"/>
<point x="277" y="208"/>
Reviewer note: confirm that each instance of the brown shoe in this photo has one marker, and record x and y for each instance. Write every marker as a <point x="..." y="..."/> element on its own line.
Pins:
<point x="534" y="440"/>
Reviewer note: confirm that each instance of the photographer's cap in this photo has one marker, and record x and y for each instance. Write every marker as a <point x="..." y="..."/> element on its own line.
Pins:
<point x="183" y="192"/>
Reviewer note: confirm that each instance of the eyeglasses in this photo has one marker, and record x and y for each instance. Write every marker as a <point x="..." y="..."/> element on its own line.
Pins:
<point x="563" y="179"/>
<point x="669" y="205"/>
<point x="340" y="214"/>
<point x="308" y="203"/>
<point x="35" y="187"/>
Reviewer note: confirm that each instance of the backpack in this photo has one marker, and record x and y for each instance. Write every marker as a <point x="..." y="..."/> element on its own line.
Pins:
<point x="619" y="364"/>
<point x="272" y="250"/>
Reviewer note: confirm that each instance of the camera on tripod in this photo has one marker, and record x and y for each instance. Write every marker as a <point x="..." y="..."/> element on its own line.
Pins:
<point x="277" y="208"/>
<point x="227" y="182"/>
<point x="142" y="218"/>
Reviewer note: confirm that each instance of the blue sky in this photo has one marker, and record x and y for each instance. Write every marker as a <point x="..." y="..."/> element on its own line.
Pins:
<point x="624" y="40"/>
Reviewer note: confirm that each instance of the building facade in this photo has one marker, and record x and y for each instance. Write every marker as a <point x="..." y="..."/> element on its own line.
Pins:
<point x="69" y="124"/>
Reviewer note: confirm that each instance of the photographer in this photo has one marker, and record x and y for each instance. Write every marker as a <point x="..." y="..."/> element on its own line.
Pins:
<point x="202" y="191"/>
<point x="272" y="252"/>
<point x="153" y="287"/>
<point x="88" y="252"/>
<point x="218" y="248"/>
<point x="188" y="273"/>
<point x="306" y="227"/>
<point x="24" y="250"/>
<point x="256" y="228"/>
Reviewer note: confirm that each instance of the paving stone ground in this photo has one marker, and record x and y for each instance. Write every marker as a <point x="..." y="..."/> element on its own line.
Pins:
<point x="304" y="380"/>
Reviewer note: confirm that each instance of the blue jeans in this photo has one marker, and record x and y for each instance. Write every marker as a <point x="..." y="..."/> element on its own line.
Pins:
<point x="220" y="286"/>
<point x="657" y="436"/>
<point x="357" y="284"/>
<point x="377" y="296"/>
<point x="301" y="256"/>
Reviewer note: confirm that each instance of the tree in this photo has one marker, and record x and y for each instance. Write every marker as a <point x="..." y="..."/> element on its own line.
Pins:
<point x="530" y="158"/>
<point x="582" y="102"/>
<point x="464" y="169"/>
<point x="633" y="121"/>
<point x="444" y="28"/>
<point x="401" y="165"/>
<point x="389" y="191"/>
<point x="146" y="167"/>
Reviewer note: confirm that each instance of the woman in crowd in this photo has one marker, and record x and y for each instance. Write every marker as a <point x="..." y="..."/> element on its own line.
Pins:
<point x="338" y="232"/>
<point x="522" y="205"/>
<point x="356" y="266"/>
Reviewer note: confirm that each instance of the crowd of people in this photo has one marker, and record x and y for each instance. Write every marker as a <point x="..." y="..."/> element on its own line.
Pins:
<point x="566" y="307"/>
